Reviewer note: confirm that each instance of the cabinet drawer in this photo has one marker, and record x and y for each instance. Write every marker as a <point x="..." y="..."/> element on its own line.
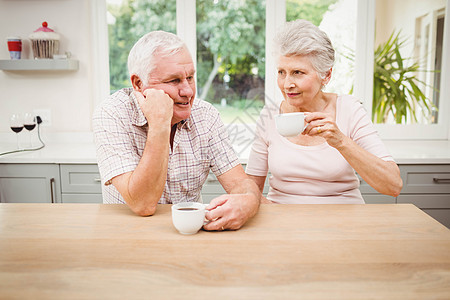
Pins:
<point x="84" y="179"/>
<point x="82" y="198"/>
<point x="378" y="199"/>
<point x="434" y="201"/>
<point x="426" y="179"/>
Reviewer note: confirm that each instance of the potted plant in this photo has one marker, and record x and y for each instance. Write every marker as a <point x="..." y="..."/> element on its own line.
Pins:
<point x="396" y="89"/>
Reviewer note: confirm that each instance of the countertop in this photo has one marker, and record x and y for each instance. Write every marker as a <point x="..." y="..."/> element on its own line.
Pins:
<point x="420" y="152"/>
<point x="77" y="251"/>
<point x="83" y="152"/>
<point x="67" y="153"/>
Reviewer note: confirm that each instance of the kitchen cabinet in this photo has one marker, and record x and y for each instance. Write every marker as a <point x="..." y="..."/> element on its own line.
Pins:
<point x="39" y="65"/>
<point x="80" y="183"/>
<point x="50" y="183"/>
<point x="30" y="183"/>
<point x="427" y="187"/>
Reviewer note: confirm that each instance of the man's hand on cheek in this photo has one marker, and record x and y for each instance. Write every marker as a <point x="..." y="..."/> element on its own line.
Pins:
<point x="156" y="105"/>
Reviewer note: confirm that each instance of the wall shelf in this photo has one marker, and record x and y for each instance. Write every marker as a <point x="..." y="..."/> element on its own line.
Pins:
<point x="38" y="64"/>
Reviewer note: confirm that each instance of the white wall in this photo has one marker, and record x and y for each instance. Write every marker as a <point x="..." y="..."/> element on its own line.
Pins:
<point x="401" y="14"/>
<point x="69" y="95"/>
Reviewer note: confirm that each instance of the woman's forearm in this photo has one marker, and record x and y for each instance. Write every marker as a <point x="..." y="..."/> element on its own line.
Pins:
<point x="383" y="176"/>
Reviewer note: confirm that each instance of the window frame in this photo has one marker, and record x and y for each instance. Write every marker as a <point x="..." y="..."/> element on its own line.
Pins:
<point x="275" y="17"/>
<point x="100" y="52"/>
<point x="364" y="80"/>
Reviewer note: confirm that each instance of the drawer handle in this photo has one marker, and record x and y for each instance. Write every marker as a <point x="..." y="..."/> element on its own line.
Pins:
<point x="97" y="180"/>
<point x="52" y="194"/>
<point x="441" y="180"/>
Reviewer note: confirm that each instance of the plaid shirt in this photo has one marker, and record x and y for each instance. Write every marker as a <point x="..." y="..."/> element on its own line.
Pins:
<point x="201" y="143"/>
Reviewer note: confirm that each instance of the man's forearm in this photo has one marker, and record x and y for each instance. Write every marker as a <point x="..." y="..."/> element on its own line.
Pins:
<point x="248" y="187"/>
<point x="147" y="181"/>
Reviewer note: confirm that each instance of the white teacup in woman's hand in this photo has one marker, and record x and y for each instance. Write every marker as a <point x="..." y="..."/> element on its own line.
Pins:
<point x="290" y="124"/>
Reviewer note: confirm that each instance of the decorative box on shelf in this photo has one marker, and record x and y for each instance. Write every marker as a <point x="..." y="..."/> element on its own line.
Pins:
<point x="38" y="64"/>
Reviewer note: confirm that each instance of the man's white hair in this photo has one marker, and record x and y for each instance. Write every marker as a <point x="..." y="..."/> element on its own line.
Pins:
<point x="141" y="57"/>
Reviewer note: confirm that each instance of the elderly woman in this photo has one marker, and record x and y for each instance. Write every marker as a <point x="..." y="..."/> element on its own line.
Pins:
<point x="318" y="165"/>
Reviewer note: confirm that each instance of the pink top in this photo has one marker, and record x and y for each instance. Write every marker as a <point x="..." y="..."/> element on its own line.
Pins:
<point x="313" y="174"/>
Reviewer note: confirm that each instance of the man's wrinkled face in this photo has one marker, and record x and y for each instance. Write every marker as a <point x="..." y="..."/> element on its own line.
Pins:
<point x="174" y="75"/>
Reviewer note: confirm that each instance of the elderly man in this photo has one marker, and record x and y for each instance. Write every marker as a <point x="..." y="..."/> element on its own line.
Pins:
<point x="156" y="142"/>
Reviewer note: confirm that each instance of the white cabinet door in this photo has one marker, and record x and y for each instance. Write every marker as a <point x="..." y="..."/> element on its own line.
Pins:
<point x="29" y="183"/>
<point x="81" y="183"/>
<point x="425" y="179"/>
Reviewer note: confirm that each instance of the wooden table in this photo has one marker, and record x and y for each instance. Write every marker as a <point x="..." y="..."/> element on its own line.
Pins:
<point x="85" y="251"/>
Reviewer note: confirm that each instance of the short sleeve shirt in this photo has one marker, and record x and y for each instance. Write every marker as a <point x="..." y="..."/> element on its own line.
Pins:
<point x="201" y="144"/>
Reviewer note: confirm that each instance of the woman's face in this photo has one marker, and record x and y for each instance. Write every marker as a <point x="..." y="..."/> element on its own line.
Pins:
<point x="298" y="81"/>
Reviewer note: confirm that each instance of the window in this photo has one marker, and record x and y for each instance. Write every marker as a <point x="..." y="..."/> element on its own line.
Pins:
<point x="231" y="56"/>
<point x="409" y="54"/>
<point x="421" y="33"/>
<point x="127" y="22"/>
<point x="351" y="24"/>
<point x="338" y="19"/>
<point x="428" y="42"/>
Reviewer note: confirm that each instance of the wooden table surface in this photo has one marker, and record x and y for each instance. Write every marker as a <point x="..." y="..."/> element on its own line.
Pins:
<point x="98" y="251"/>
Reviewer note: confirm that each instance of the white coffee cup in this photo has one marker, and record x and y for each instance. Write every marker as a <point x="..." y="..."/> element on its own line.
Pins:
<point x="188" y="217"/>
<point x="290" y="124"/>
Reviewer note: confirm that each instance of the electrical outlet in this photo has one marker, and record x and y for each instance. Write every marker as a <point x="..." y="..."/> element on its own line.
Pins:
<point x="46" y="116"/>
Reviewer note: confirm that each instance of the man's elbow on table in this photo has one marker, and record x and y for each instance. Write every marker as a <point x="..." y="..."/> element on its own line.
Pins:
<point x="143" y="207"/>
<point x="140" y="202"/>
<point x="143" y="211"/>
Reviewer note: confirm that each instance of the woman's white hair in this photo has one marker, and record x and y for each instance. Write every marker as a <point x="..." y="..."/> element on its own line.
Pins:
<point x="141" y="56"/>
<point x="301" y="37"/>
